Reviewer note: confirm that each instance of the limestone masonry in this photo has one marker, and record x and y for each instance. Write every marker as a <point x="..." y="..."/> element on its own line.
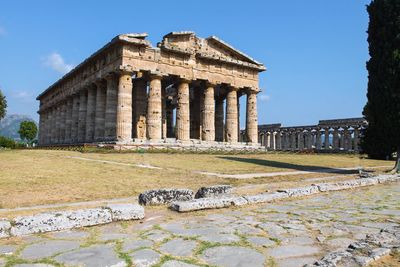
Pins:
<point x="130" y="92"/>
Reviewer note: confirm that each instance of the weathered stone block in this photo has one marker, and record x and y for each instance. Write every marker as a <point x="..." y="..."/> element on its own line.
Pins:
<point x="324" y="187"/>
<point x="266" y="197"/>
<point x="302" y="191"/>
<point x="165" y="196"/>
<point x="123" y="212"/>
<point x="208" y="203"/>
<point x="213" y="191"/>
<point x="388" y="178"/>
<point x="54" y="221"/>
<point x="4" y="228"/>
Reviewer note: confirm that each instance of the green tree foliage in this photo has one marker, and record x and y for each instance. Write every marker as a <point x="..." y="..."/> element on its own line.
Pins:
<point x="3" y="105"/>
<point x="382" y="138"/>
<point x="28" y="130"/>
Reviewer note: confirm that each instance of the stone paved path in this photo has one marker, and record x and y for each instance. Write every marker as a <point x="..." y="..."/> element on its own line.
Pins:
<point x="289" y="233"/>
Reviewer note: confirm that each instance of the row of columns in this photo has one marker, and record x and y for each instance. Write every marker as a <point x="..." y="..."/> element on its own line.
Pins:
<point x="341" y="140"/>
<point x="120" y="109"/>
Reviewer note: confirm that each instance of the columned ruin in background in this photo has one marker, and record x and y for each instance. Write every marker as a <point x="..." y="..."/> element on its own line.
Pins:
<point x="184" y="91"/>
<point x="340" y="135"/>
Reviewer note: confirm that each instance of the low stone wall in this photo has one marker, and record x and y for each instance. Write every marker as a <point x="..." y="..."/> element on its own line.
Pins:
<point x="55" y="221"/>
<point x="212" y="203"/>
<point x="363" y="252"/>
<point x="213" y="191"/>
<point x="165" y="196"/>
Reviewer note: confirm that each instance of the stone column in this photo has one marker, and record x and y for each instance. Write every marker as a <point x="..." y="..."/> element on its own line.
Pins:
<point x="231" y="134"/>
<point x="251" y="117"/>
<point x="335" y="141"/>
<point x="110" y="122"/>
<point x="356" y="139"/>
<point x="75" y="118"/>
<point x="124" y="108"/>
<point x="90" y="114"/>
<point x="208" y="114"/>
<point x="342" y="139"/>
<point x="219" y="120"/>
<point x="164" y="114"/>
<point x="140" y="106"/>
<point x="170" y="119"/>
<point x="326" y="138"/>
<point x="182" y="112"/>
<point x="345" y="135"/>
<point x="100" y="113"/>
<point x="68" y="120"/>
<point x="272" y="140"/>
<point x="154" y="109"/>
<point x="301" y="140"/>
<point x="50" y="126"/>
<point x="293" y="136"/>
<point x="318" y="143"/>
<point x="278" y="140"/>
<point x="82" y="116"/>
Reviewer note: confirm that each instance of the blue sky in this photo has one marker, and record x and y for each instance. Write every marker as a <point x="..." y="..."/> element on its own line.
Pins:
<point x="315" y="51"/>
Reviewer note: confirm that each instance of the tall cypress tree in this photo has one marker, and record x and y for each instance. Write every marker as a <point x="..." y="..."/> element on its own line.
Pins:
<point x="382" y="137"/>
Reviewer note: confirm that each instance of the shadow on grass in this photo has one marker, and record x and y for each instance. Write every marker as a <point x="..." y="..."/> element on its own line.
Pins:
<point x="290" y="166"/>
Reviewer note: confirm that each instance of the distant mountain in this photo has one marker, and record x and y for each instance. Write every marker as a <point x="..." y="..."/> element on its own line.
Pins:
<point x="9" y="126"/>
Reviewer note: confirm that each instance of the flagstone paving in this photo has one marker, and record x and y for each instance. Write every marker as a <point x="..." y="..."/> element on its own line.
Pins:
<point x="287" y="233"/>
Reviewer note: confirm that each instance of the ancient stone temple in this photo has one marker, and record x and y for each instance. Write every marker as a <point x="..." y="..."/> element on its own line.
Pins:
<point x="338" y="135"/>
<point x="184" y="91"/>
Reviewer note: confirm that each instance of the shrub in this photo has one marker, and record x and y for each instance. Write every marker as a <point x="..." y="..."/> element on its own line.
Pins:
<point x="6" y="142"/>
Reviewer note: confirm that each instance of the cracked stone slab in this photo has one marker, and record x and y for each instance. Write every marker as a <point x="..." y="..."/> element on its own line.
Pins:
<point x="75" y="235"/>
<point x="5" y="227"/>
<point x="7" y="249"/>
<point x="54" y="221"/>
<point x="208" y="203"/>
<point x="220" y="238"/>
<point x="260" y="241"/>
<point x="47" y="249"/>
<point x="124" y="212"/>
<point x="229" y="256"/>
<point x="94" y="256"/>
<point x="175" y="263"/>
<point x="179" y="247"/>
<point x="287" y="251"/>
<point x="135" y="244"/>
<point x="145" y="258"/>
<point x="33" y="265"/>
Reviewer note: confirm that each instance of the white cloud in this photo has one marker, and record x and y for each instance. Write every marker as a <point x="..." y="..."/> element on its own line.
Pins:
<point x="264" y="98"/>
<point x="24" y="96"/>
<point x="56" y="62"/>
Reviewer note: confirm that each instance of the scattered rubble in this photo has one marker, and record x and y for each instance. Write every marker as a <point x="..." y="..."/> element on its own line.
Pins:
<point x="213" y="191"/>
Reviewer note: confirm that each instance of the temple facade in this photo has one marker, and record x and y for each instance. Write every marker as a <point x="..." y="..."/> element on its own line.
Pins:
<point x="186" y="89"/>
<point x="338" y="135"/>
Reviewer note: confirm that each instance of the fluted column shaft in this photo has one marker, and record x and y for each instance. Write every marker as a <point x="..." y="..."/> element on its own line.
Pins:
<point x="335" y="140"/>
<point x="140" y="108"/>
<point x="278" y="139"/>
<point x="124" y="108"/>
<point x="170" y="119"/>
<point x="326" y="140"/>
<point x="68" y="120"/>
<point x="82" y="116"/>
<point x="111" y="109"/>
<point x="356" y="139"/>
<point x="100" y="113"/>
<point x="231" y="134"/>
<point x="219" y="120"/>
<point x="182" y="112"/>
<point x="251" y="117"/>
<point x="154" y="109"/>
<point x="75" y="118"/>
<point x="208" y="114"/>
<point x="90" y="114"/>
<point x="318" y="142"/>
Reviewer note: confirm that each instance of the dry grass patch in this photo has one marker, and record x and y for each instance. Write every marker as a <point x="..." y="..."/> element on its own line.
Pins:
<point x="35" y="177"/>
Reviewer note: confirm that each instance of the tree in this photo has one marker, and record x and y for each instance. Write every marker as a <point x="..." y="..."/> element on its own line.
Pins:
<point x="28" y="131"/>
<point x="3" y="105"/>
<point x="382" y="111"/>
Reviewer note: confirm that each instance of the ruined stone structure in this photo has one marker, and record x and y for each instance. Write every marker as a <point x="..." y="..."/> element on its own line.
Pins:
<point x="184" y="91"/>
<point x="328" y="135"/>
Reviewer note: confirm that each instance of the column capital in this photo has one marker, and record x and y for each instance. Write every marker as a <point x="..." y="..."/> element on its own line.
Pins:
<point x="156" y="75"/>
<point x="210" y="84"/>
<point x="184" y="80"/>
<point x="233" y="88"/>
<point x="252" y="90"/>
